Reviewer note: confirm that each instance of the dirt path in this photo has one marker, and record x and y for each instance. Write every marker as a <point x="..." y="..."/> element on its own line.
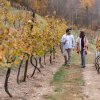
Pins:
<point x="35" y="88"/>
<point x="39" y="87"/>
<point x="92" y="83"/>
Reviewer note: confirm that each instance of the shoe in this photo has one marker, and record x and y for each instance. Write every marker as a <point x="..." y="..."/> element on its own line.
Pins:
<point x="64" y="65"/>
<point x="83" y="66"/>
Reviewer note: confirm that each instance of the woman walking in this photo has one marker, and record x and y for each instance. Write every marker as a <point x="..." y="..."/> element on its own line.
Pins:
<point x="82" y="47"/>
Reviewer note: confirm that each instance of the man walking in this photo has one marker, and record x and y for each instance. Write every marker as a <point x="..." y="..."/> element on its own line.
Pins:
<point x="68" y="44"/>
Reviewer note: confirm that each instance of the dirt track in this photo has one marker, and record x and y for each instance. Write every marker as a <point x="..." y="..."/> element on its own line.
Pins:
<point x="35" y="88"/>
<point x="92" y="83"/>
<point x="39" y="86"/>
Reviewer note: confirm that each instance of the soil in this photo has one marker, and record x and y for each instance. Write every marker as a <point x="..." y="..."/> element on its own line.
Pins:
<point x="92" y="81"/>
<point x="34" y="88"/>
<point x="40" y="85"/>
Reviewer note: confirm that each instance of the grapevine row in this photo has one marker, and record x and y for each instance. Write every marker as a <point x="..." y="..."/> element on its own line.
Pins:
<point x="24" y="38"/>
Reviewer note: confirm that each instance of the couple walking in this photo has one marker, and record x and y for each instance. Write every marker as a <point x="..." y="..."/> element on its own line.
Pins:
<point x="68" y="44"/>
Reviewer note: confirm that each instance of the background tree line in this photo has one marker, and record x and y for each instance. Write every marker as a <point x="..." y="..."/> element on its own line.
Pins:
<point x="76" y="12"/>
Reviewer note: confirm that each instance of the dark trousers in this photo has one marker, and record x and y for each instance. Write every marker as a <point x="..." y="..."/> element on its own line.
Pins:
<point x="83" y="61"/>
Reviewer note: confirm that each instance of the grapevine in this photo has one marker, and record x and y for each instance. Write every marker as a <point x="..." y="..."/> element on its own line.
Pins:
<point x="22" y="38"/>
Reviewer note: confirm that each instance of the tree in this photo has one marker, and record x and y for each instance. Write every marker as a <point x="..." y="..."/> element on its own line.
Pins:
<point x="86" y="4"/>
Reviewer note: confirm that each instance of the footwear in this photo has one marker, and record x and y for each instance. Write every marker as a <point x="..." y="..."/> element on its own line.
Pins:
<point x="83" y="66"/>
<point x="64" y="65"/>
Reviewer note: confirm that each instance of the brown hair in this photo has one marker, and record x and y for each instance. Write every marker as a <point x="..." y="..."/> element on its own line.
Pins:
<point x="82" y="34"/>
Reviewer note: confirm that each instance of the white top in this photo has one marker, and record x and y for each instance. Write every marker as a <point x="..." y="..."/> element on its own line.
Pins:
<point x="68" y="41"/>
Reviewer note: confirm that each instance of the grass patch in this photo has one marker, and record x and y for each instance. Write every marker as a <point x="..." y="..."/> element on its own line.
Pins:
<point x="67" y="83"/>
<point x="60" y="75"/>
<point x="79" y="81"/>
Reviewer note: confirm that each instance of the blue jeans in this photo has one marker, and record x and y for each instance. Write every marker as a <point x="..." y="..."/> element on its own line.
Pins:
<point x="83" y="62"/>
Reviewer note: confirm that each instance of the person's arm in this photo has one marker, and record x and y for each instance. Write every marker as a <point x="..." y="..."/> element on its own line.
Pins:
<point x="63" y="40"/>
<point x="62" y="44"/>
<point x="61" y="47"/>
<point x="77" y="45"/>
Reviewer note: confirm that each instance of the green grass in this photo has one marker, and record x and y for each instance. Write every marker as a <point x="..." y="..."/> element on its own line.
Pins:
<point x="78" y="80"/>
<point x="66" y="81"/>
<point x="59" y="75"/>
<point x="70" y="80"/>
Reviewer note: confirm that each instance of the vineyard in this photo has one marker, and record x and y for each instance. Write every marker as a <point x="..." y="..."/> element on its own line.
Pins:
<point x="24" y="38"/>
<point x="31" y="57"/>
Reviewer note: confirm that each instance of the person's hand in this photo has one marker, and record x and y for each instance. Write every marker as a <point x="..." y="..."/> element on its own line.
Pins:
<point x="86" y="52"/>
<point x="78" y="52"/>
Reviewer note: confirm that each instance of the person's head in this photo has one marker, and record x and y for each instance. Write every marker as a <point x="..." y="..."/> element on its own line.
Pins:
<point x="82" y="34"/>
<point x="68" y="31"/>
